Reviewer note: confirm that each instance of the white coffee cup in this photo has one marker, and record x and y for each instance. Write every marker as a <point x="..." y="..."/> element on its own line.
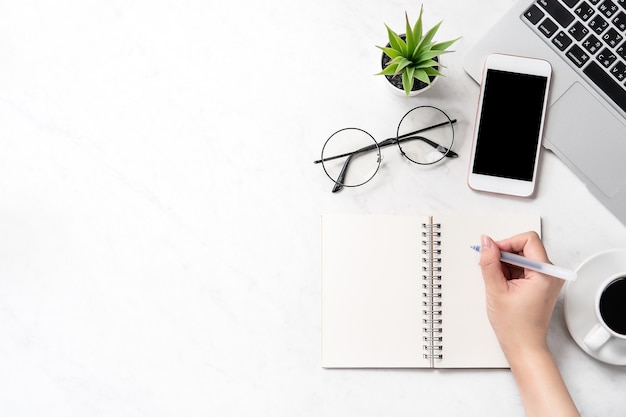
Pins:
<point x="610" y="308"/>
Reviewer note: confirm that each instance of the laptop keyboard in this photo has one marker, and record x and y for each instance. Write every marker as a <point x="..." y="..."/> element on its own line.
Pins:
<point x="590" y="35"/>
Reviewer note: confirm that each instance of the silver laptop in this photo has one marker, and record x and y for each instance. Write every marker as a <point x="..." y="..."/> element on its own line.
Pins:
<point x="585" y="41"/>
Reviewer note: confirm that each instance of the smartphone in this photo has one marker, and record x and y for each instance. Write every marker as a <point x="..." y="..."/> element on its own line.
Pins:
<point x="509" y="125"/>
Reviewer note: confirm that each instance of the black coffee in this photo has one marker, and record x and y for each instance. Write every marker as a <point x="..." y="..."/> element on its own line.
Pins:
<point x="613" y="305"/>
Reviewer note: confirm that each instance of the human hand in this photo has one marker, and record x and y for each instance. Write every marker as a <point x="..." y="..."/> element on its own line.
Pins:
<point x="519" y="302"/>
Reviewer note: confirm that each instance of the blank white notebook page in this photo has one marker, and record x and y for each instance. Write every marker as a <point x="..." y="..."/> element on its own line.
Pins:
<point x="372" y="291"/>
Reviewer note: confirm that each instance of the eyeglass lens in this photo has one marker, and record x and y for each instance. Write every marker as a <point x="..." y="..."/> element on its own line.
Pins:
<point x="425" y="135"/>
<point x="351" y="157"/>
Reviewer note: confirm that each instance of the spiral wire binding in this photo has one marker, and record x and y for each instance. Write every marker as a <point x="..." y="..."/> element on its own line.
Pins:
<point x="431" y="304"/>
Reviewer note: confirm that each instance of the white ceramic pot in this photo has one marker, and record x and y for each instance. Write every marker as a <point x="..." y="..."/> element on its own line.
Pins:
<point x="400" y="90"/>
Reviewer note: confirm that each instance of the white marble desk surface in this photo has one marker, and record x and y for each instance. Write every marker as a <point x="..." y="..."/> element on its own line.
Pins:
<point x="159" y="209"/>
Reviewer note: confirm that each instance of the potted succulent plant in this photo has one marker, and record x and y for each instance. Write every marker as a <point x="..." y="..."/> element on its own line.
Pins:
<point x="411" y="61"/>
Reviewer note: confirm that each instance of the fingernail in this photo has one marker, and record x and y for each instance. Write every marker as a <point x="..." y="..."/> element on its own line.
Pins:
<point x="485" y="241"/>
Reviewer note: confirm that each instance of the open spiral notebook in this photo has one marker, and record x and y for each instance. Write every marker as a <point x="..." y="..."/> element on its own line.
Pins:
<point x="407" y="291"/>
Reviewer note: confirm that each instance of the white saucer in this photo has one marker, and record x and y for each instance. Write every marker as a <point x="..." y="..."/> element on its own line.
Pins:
<point x="580" y="298"/>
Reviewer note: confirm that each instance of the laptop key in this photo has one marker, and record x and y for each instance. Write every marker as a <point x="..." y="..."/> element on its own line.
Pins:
<point x="606" y="58"/>
<point x="620" y="21"/>
<point x="598" y="24"/>
<point x="557" y="11"/>
<point x="578" y="56"/>
<point x="621" y="51"/>
<point x="604" y="81"/>
<point x="584" y="11"/>
<point x="562" y="41"/>
<point x="612" y="38"/>
<point x="570" y="3"/>
<point x="608" y="8"/>
<point x="578" y="31"/>
<point x="548" y="27"/>
<point x="533" y="14"/>
<point x="619" y="71"/>
<point x="592" y="44"/>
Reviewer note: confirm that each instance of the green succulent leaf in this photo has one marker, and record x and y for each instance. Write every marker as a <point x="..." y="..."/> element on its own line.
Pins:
<point x="442" y="46"/>
<point x="396" y="41"/>
<point x="410" y="72"/>
<point x="390" y="52"/>
<point x="411" y="40"/>
<point x="417" y="29"/>
<point x="428" y="37"/>
<point x="421" y="75"/>
<point x="407" y="82"/>
<point x="402" y="64"/>
<point x="429" y="55"/>
<point x="389" y="70"/>
<point x="429" y="63"/>
<point x="432" y="72"/>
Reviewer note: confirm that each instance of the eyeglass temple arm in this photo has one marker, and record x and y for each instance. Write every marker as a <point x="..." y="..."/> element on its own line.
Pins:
<point x="448" y="153"/>
<point x="349" y="154"/>
<point x="339" y="183"/>
<point x="401" y="138"/>
<point x="427" y="128"/>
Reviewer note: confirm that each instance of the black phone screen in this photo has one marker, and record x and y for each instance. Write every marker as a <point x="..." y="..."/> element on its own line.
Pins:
<point x="509" y="125"/>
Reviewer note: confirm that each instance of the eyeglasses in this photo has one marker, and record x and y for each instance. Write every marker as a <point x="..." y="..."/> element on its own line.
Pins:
<point x="356" y="149"/>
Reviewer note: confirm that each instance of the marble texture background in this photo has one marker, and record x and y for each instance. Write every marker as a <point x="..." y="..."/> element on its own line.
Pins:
<point x="159" y="208"/>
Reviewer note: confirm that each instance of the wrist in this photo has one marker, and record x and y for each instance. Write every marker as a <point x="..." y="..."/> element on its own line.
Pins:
<point x="525" y="352"/>
<point x="538" y="378"/>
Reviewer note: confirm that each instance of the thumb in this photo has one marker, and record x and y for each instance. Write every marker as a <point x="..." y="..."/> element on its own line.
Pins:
<point x="490" y="264"/>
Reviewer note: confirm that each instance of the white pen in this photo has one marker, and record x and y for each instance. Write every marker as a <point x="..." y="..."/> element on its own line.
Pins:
<point x="544" y="268"/>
